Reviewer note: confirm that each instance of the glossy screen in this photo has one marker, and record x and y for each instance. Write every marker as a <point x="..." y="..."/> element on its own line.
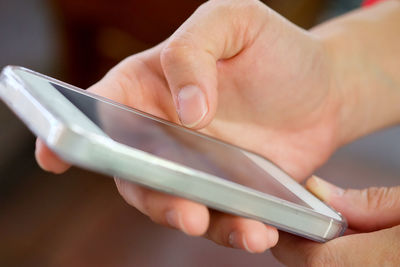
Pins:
<point x="177" y="144"/>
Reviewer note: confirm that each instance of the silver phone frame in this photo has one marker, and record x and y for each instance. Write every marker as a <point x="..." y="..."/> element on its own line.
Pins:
<point x="84" y="145"/>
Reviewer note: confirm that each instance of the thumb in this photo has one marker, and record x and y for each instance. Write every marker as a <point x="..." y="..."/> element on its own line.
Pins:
<point x="217" y="30"/>
<point x="366" y="210"/>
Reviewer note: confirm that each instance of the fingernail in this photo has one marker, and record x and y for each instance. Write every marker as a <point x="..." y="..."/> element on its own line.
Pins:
<point x="174" y="220"/>
<point x="236" y="240"/>
<point x="192" y="105"/>
<point x="322" y="189"/>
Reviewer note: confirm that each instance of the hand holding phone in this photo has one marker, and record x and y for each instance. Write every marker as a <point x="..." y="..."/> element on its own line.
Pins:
<point x="267" y="100"/>
<point x="104" y="136"/>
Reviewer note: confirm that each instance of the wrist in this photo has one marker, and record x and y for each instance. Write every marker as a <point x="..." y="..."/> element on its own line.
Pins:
<point x="364" y="72"/>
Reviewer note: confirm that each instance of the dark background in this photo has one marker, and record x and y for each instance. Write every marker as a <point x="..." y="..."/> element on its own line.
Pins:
<point x="78" y="219"/>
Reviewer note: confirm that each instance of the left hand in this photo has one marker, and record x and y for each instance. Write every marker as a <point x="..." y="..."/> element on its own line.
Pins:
<point x="374" y="216"/>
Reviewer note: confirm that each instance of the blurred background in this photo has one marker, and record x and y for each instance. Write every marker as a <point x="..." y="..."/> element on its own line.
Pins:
<point x="78" y="219"/>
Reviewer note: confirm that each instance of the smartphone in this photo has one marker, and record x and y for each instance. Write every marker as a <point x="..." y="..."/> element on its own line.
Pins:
<point x="103" y="136"/>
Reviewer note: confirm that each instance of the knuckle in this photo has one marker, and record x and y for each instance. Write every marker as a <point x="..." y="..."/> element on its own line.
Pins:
<point x="142" y="200"/>
<point x="133" y="195"/>
<point x="375" y="197"/>
<point x="378" y="198"/>
<point x="185" y="43"/>
<point x="177" y="49"/>
<point x="244" y="18"/>
<point x="120" y="187"/>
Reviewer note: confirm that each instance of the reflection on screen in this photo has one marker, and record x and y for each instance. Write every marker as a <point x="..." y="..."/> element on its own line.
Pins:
<point x="181" y="146"/>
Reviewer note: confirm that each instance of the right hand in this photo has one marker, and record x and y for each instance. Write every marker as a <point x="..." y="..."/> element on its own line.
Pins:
<point x="240" y="72"/>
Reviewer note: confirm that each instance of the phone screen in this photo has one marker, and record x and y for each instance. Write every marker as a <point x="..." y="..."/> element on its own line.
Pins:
<point x="177" y="144"/>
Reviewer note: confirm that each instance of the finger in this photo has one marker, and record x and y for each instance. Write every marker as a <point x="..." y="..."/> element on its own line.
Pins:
<point x="47" y="160"/>
<point x="114" y="86"/>
<point x="189" y="58"/>
<point x="189" y="217"/>
<point x="236" y="232"/>
<point x="369" y="249"/>
<point x="366" y="210"/>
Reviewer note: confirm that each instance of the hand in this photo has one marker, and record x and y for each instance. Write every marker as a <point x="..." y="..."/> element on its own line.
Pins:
<point x="373" y="217"/>
<point x="233" y="66"/>
<point x="238" y="67"/>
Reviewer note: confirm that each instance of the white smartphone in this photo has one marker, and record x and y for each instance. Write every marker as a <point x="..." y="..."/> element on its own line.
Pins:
<point x="100" y="135"/>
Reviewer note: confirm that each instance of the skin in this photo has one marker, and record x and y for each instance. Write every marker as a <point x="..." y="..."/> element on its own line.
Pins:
<point x="373" y="219"/>
<point x="294" y="96"/>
